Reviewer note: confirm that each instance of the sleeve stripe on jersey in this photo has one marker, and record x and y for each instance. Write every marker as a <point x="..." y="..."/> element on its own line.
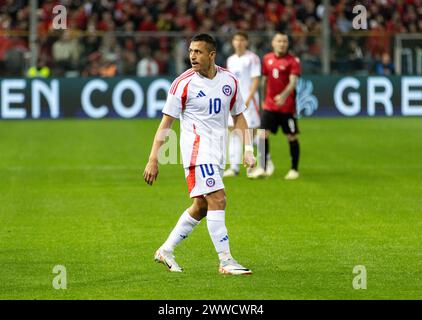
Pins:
<point x="178" y="80"/>
<point x="233" y="100"/>
<point x="226" y="70"/>
<point x="179" y="77"/>
<point x="185" y="95"/>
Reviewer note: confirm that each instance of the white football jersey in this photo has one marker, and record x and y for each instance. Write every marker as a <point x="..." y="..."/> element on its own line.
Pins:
<point x="246" y="67"/>
<point x="203" y="106"/>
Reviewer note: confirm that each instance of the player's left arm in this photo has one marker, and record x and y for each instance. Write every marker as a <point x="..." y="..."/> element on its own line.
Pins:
<point x="241" y="124"/>
<point x="291" y="86"/>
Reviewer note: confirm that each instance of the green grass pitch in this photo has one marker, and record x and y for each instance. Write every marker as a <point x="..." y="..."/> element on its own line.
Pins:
<point x="71" y="193"/>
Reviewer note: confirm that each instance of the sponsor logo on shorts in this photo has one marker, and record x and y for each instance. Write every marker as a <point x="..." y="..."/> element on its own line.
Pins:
<point x="227" y="90"/>
<point x="210" y="182"/>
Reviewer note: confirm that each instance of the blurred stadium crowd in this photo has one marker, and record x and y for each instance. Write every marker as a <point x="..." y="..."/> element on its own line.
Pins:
<point x="148" y="37"/>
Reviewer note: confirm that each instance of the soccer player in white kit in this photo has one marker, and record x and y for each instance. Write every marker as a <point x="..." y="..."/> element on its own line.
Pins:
<point x="202" y="98"/>
<point x="246" y="66"/>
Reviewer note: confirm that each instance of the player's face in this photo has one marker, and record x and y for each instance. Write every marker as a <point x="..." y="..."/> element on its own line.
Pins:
<point x="280" y="44"/>
<point x="200" y="56"/>
<point x="239" y="44"/>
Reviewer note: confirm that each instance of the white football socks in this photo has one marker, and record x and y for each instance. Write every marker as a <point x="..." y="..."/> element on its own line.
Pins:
<point x="235" y="151"/>
<point x="217" y="229"/>
<point x="181" y="231"/>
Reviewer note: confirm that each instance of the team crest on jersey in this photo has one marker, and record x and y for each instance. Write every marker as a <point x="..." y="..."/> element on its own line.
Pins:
<point x="227" y="90"/>
<point x="210" y="182"/>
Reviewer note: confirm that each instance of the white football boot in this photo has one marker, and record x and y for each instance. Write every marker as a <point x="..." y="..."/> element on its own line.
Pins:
<point x="270" y="168"/>
<point x="231" y="267"/>
<point x="167" y="258"/>
<point x="257" y="173"/>
<point x="230" y="173"/>
<point x="292" y="175"/>
<point x="249" y="171"/>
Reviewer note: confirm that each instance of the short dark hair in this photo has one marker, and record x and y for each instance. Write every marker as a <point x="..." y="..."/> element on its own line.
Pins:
<point x="212" y="45"/>
<point x="241" y="34"/>
<point x="280" y="33"/>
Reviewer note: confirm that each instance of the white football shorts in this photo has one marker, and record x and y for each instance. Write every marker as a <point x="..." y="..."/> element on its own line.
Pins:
<point x="204" y="179"/>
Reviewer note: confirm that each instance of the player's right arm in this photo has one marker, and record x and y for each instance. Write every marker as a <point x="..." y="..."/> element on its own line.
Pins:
<point x="255" y="74"/>
<point x="264" y="79"/>
<point x="171" y="111"/>
<point x="241" y="124"/>
<point x="151" y="169"/>
<point x="254" y="88"/>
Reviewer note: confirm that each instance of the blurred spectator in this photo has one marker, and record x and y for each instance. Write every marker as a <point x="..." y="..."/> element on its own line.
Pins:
<point x="5" y="41"/>
<point x="164" y="22"/>
<point x="147" y="66"/>
<point x="108" y="68"/>
<point x="147" y="23"/>
<point x="66" y="53"/>
<point x="90" y="43"/>
<point x="92" y="67"/>
<point x="106" y="23"/>
<point x="307" y="10"/>
<point x="343" y="24"/>
<point x="355" y="56"/>
<point x="162" y="59"/>
<point x="340" y="54"/>
<point x="41" y="70"/>
<point x="128" y="58"/>
<point x="384" y="66"/>
<point x="128" y="29"/>
<point x="110" y="49"/>
<point x="14" y="57"/>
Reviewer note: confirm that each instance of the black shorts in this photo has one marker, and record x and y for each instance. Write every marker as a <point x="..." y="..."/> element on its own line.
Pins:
<point x="272" y="120"/>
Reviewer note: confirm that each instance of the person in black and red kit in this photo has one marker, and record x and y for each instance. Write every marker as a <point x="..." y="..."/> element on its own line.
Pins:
<point x="280" y="71"/>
